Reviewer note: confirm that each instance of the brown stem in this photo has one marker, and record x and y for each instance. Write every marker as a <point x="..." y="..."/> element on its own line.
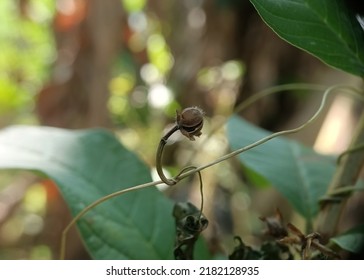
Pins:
<point x="346" y="174"/>
<point x="159" y="168"/>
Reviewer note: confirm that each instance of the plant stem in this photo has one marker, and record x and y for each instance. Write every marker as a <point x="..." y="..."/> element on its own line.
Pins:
<point x="346" y="174"/>
<point x="159" y="155"/>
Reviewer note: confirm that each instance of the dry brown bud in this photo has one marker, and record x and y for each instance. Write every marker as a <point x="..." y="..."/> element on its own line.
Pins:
<point x="190" y="122"/>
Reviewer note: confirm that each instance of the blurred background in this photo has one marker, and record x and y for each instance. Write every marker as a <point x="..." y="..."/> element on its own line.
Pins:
<point x="127" y="66"/>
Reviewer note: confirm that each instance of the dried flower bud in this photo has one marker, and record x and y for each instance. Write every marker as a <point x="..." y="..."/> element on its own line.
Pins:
<point x="190" y="122"/>
<point x="275" y="225"/>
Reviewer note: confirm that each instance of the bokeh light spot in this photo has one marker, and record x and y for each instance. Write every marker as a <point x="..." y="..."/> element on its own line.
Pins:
<point x="159" y="96"/>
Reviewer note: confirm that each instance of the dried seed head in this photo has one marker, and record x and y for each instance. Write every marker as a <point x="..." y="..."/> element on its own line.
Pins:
<point x="190" y="122"/>
<point x="275" y="225"/>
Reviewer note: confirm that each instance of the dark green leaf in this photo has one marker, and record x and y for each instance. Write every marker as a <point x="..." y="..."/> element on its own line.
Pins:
<point x="325" y="29"/>
<point x="87" y="165"/>
<point x="352" y="240"/>
<point x="297" y="172"/>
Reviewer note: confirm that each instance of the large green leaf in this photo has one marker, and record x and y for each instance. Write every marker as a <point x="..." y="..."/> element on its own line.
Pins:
<point x="297" y="172"/>
<point x="87" y="165"/>
<point x="324" y="28"/>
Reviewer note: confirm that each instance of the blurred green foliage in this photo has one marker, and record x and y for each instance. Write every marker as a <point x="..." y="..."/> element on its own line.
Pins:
<point x="138" y="86"/>
<point x="26" y="53"/>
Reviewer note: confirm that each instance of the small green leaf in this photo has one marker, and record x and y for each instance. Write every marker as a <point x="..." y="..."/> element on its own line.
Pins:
<point x="297" y="172"/>
<point x="325" y="29"/>
<point x="87" y="165"/>
<point x="352" y="240"/>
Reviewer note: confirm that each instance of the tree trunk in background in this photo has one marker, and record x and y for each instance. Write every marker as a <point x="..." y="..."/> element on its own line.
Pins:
<point x="88" y="40"/>
<point x="88" y="37"/>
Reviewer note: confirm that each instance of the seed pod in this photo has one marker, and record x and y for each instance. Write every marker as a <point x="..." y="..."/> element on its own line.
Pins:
<point x="190" y="122"/>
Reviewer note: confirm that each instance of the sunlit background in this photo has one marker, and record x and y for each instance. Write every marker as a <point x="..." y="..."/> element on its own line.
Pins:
<point x="128" y="65"/>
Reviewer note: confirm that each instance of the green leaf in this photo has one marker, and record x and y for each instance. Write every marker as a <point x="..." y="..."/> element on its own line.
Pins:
<point x="325" y="29"/>
<point x="297" y="172"/>
<point x="87" y="165"/>
<point x="352" y="240"/>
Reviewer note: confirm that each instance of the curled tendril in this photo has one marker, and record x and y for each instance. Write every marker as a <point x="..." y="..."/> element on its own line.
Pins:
<point x="189" y="122"/>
